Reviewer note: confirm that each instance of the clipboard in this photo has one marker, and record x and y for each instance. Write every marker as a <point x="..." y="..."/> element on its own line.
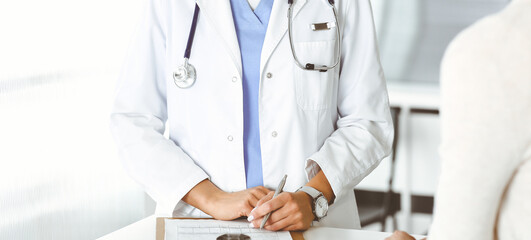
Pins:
<point x="160" y="229"/>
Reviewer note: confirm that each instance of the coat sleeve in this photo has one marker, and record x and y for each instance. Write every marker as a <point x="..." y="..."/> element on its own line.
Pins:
<point x="139" y="115"/>
<point x="364" y="132"/>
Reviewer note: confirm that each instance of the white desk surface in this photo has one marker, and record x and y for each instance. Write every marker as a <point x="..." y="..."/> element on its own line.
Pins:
<point x="145" y="229"/>
<point x="423" y="95"/>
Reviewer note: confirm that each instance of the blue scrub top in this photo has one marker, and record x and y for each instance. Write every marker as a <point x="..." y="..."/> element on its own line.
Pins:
<point x="251" y="27"/>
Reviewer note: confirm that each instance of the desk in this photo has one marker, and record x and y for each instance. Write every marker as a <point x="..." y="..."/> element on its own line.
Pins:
<point x="145" y="230"/>
<point x="410" y="97"/>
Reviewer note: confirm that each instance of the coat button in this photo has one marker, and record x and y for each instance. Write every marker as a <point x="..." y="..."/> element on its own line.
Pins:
<point x="269" y="75"/>
<point x="230" y="138"/>
<point x="234" y="79"/>
<point x="274" y="134"/>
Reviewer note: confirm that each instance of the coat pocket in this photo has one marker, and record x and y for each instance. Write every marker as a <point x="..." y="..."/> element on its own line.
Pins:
<point x="314" y="89"/>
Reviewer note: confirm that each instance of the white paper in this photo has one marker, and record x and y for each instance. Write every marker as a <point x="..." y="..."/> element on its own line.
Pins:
<point x="184" y="229"/>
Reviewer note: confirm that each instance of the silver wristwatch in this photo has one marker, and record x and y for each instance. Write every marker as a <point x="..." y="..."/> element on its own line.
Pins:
<point x="320" y="204"/>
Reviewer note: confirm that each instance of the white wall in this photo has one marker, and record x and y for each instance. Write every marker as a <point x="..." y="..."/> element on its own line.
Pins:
<point x="413" y="34"/>
<point x="60" y="177"/>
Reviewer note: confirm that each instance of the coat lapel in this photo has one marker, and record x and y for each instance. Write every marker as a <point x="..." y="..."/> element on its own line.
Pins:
<point x="277" y="27"/>
<point x="219" y="14"/>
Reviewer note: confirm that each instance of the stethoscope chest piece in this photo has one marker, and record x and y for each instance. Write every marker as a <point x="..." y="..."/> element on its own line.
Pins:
<point x="184" y="76"/>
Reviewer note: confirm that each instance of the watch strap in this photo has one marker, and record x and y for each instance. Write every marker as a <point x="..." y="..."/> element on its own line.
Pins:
<point x="314" y="193"/>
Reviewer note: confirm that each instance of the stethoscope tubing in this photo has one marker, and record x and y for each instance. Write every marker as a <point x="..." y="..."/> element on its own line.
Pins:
<point x="191" y="35"/>
<point x="309" y="66"/>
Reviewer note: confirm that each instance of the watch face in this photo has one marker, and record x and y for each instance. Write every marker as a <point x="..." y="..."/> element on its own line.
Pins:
<point x="321" y="207"/>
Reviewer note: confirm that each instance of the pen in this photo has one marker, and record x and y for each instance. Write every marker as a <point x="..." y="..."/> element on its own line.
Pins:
<point x="278" y="191"/>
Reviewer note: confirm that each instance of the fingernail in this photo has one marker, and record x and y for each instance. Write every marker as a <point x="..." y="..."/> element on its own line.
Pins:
<point x="250" y="218"/>
<point x="251" y="225"/>
<point x="253" y="209"/>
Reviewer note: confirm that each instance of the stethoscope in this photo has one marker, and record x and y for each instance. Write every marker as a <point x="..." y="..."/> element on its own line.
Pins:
<point x="185" y="75"/>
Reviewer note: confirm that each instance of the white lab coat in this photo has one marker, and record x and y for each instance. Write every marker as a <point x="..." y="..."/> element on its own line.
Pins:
<point x="337" y="121"/>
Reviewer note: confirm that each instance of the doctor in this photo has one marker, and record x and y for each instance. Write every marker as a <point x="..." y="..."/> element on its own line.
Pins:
<point x="253" y="113"/>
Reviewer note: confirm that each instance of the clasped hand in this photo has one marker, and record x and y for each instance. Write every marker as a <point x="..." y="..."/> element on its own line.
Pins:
<point x="289" y="211"/>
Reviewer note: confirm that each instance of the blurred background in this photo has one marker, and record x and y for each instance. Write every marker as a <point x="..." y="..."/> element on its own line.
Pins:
<point x="60" y="176"/>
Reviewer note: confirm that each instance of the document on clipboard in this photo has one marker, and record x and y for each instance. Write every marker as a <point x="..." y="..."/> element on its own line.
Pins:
<point x="202" y="229"/>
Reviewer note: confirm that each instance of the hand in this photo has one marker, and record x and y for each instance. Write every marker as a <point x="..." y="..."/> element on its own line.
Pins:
<point x="399" y="235"/>
<point x="290" y="212"/>
<point x="222" y="205"/>
<point x="229" y="206"/>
